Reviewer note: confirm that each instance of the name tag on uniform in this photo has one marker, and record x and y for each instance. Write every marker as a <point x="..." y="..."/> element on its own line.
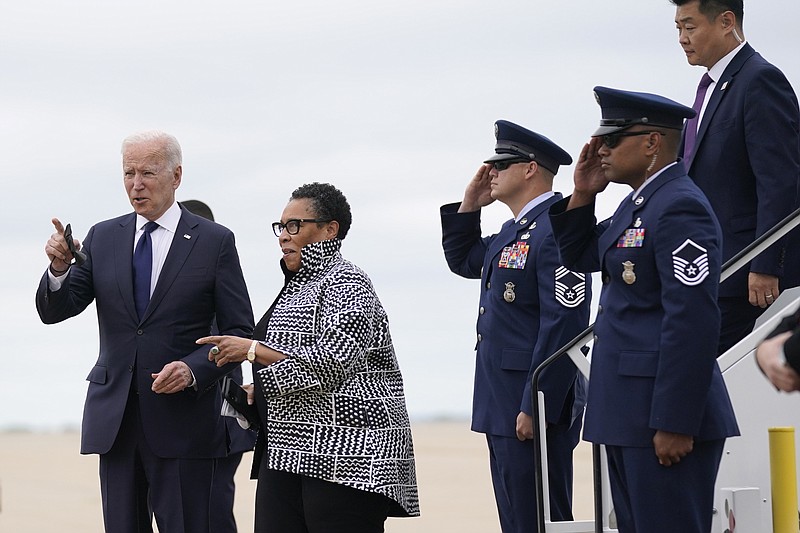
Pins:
<point x="632" y="238"/>
<point x="514" y="256"/>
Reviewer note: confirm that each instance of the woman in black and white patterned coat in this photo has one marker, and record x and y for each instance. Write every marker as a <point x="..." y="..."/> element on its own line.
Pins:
<point x="336" y="439"/>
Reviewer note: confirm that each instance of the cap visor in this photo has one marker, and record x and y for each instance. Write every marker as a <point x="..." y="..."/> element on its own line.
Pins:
<point x="605" y="130"/>
<point x="502" y="157"/>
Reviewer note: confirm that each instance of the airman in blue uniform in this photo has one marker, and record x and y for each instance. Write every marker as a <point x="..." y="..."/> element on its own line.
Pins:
<point x="656" y="397"/>
<point x="530" y="306"/>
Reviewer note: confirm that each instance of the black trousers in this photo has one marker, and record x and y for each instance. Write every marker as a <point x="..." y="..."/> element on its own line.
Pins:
<point x="223" y="490"/>
<point x="738" y="319"/>
<point x="291" y="503"/>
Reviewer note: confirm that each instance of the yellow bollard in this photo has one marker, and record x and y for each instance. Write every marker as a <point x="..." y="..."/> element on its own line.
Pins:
<point x="783" y="474"/>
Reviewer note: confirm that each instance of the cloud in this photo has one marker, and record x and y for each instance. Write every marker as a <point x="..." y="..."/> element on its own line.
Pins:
<point x="392" y="102"/>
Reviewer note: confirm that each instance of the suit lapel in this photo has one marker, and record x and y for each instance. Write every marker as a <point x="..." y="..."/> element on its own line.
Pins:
<point x="123" y="261"/>
<point x="720" y="90"/>
<point x="182" y="243"/>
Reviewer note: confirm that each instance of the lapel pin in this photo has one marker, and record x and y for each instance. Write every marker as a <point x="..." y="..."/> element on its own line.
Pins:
<point x="724" y="86"/>
<point x="187" y="236"/>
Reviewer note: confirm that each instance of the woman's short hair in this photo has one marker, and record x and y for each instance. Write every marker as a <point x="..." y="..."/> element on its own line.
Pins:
<point x="328" y="203"/>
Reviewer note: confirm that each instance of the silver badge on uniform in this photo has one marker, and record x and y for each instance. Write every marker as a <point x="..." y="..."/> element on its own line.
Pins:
<point x="690" y="263"/>
<point x="639" y="200"/>
<point x="628" y="275"/>
<point x="570" y="287"/>
<point x="508" y="294"/>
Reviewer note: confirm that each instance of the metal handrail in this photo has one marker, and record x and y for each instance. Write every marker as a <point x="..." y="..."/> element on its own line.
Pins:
<point x="747" y="254"/>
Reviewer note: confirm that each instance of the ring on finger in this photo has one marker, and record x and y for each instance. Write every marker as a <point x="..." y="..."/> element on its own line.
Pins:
<point x="215" y="350"/>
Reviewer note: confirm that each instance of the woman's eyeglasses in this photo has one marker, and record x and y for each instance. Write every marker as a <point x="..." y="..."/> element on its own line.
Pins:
<point x="292" y="226"/>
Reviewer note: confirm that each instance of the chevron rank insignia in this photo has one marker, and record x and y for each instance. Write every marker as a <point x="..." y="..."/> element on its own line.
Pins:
<point x="570" y="287"/>
<point x="690" y="263"/>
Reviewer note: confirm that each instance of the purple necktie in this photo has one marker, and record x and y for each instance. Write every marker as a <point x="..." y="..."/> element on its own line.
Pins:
<point x="142" y="269"/>
<point x="692" y="123"/>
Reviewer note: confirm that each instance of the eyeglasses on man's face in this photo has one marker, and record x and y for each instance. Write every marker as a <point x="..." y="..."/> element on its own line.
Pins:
<point x="502" y="165"/>
<point x="292" y="226"/>
<point x="612" y="139"/>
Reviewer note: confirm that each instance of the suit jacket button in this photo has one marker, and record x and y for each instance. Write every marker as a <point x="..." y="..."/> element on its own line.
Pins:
<point x="480" y="338"/>
<point x="139" y="332"/>
<point x="488" y="284"/>
<point x="599" y="309"/>
<point x="482" y="310"/>
<point x="130" y="368"/>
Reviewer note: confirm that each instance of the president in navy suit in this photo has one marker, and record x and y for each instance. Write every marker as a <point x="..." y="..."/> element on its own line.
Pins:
<point x="159" y="277"/>
<point x="656" y="395"/>
<point x="530" y="306"/>
<point x="745" y="156"/>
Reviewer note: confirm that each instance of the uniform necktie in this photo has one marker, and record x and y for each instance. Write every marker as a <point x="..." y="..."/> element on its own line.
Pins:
<point x="143" y="269"/>
<point x="692" y="124"/>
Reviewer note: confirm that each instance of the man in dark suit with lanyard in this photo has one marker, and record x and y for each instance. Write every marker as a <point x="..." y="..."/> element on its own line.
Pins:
<point x="530" y="306"/>
<point x="159" y="277"/>
<point x="743" y="151"/>
<point x="241" y="440"/>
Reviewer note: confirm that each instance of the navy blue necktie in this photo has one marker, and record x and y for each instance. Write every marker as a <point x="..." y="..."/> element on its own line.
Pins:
<point x="143" y="269"/>
<point x="693" y="123"/>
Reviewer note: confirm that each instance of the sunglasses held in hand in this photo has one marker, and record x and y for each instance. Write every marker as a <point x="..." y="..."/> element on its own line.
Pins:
<point x="80" y="257"/>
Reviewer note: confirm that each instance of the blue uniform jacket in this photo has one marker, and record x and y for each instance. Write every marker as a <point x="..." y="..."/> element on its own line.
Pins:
<point x="549" y="306"/>
<point x="752" y="118"/>
<point x="654" y="355"/>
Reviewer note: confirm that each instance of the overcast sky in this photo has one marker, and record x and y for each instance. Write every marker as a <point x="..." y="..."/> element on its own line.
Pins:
<point x="393" y="102"/>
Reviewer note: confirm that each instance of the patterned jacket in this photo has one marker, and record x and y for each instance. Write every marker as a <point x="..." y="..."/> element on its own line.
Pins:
<point x="335" y="406"/>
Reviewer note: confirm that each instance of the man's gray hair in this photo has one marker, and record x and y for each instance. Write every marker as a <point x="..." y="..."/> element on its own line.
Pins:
<point x="171" y="145"/>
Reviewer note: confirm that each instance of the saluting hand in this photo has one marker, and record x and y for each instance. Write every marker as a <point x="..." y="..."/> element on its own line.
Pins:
<point x="589" y="176"/>
<point x="479" y="191"/>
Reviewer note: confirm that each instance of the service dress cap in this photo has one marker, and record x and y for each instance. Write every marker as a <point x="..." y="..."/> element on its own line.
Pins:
<point x="623" y="109"/>
<point x="516" y="142"/>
